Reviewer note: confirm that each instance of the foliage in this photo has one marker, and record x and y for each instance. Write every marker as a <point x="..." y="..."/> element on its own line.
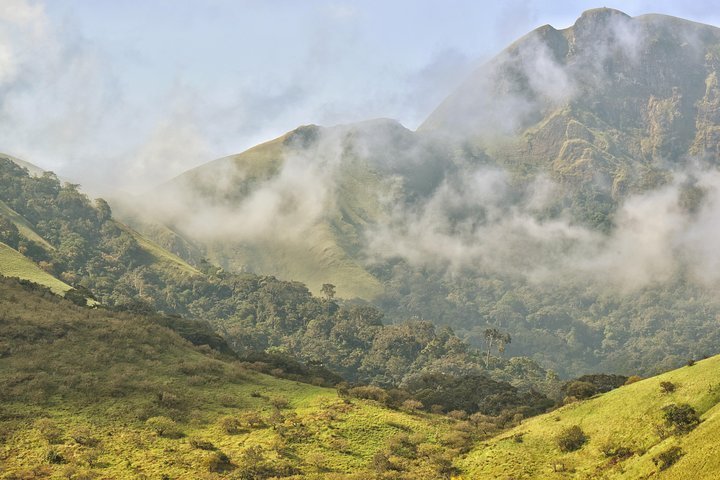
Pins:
<point x="668" y="458"/>
<point x="682" y="417"/>
<point x="571" y="439"/>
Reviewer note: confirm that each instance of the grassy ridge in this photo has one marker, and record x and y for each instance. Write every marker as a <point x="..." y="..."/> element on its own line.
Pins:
<point x="629" y="417"/>
<point x="14" y="264"/>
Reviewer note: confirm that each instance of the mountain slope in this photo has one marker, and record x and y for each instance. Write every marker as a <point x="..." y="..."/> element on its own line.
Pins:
<point x="14" y="264"/>
<point x="95" y="393"/>
<point x="296" y="207"/>
<point x="629" y="418"/>
<point x="609" y="99"/>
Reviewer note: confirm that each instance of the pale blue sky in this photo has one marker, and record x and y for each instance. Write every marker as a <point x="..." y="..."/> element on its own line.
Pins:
<point x="128" y="93"/>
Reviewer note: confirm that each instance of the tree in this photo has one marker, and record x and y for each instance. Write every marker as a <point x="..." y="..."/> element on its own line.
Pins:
<point x="494" y="337"/>
<point x="328" y="290"/>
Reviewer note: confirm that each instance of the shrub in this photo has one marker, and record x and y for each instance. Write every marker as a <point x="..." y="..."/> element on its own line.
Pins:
<point x="460" y="440"/>
<point x="668" y="458"/>
<point x="690" y="362"/>
<point x="683" y="418"/>
<point x="580" y="390"/>
<point x="280" y="403"/>
<point x="54" y="456"/>
<point x="667" y="387"/>
<point x="230" y="425"/>
<point x="84" y="436"/>
<point x="613" y="450"/>
<point x="201" y="444"/>
<point x="571" y="439"/>
<point x="369" y="392"/>
<point x="217" y="462"/>
<point x="163" y="426"/>
<point x="632" y="379"/>
<point x="412" y="405"/>
<point x="381" y="463"/>
<point x="458" y="414"/>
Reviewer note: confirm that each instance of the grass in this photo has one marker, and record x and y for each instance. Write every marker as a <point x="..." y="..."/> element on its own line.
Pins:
<point x="15" y="264"/>
<point x="160" y="254"/>
<point x="23" y="226"/>
<point x="629" y="417"/>
<point x="69" y="369"/>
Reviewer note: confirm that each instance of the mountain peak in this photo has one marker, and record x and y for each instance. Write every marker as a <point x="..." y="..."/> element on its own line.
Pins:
<point x="599" y="15"/>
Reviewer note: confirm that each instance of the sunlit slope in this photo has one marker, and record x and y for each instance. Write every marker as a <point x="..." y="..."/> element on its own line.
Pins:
<point x="79" y="386"/>
<point x="159" y="254"/>
<point x="23" y="226"/>
<point x="219" y="207"/>
<point x="15" y="264"/>
<point x="629" y="417"/>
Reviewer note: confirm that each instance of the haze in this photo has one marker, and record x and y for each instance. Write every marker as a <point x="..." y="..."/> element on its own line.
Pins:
<point x="125" y="95"/>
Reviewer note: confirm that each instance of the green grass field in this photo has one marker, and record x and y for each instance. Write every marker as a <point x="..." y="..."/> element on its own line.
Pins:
<point x="14" y="264"/>
<point x="629" y="417"/>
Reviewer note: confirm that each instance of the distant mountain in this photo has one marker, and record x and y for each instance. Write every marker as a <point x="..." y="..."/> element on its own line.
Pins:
<point x="611" y="99"/>
<point x="567" y="186"/>
<point x="296" y="207"/>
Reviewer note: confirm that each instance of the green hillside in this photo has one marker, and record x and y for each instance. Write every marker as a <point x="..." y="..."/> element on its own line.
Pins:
<point x="328" y="249"/>
<point x="91" y="393"/>
<point x="23" y="226"/>
<point x="14" y="264"/>
<point x="625" y="431"/>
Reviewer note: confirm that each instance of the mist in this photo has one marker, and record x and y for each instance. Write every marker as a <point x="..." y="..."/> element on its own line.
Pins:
<point x="436" y="204"/>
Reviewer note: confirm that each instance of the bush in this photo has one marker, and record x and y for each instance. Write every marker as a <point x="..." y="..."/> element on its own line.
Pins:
<point x="412" y="405"/>
<point x="201" y="444"/>
<point x="668" y="458"/>
<point x="580" y="390"/>
<point x="230" y="425"/>
<point x="683" y="418"/>
<point x="632" y="379"/>
<point x="369" y="392"/>
<point x="667" y="387"/>
<point x="217" y="462"/>
<point x="613" y="450"/>
<point x="84" y="436"/>
<point x="571" y="439"/>
<point x="163" y="426"/>
<point x="280" y="403"/>
<point x="54" y="456"/>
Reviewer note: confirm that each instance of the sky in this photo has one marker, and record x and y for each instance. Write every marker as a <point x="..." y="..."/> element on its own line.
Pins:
<point x="120" y="96"/>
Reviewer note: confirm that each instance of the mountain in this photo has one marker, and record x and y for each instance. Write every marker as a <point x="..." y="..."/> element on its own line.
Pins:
<point x="296" y="207"/>
<point x="611" y="99"/>
<point x="55" y="236"/>
<point x="566" y="194"/>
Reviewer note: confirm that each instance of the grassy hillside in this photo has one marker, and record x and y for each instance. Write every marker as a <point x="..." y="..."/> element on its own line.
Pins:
<point x="96" y="394"/>
<point x="23" y="226"/>
<point x="14" y="264"/>
<point x="629" y="418"/>
<point x="328" y="248"/>
<point x="159" y="254"/>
